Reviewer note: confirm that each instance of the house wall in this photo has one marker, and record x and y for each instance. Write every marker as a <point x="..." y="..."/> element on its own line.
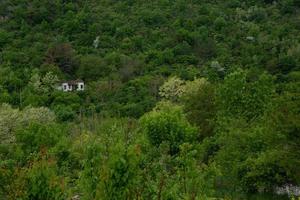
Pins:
<point x="80" y="86"/>
<point x="66" y="87"/>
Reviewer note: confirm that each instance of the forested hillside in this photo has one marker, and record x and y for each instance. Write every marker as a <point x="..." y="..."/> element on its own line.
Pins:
<point x="183" y="99"/>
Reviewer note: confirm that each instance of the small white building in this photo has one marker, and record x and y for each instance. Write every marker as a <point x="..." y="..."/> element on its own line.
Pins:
<point x="73" y="85"/>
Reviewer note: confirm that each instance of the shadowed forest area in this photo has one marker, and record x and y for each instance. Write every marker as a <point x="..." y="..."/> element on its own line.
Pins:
<point x="183" y="99"/>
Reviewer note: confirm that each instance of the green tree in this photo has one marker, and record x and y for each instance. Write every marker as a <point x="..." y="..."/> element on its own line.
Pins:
<point x="198" y="100"/>
<point x="64" y="56"/>
<point x="93" y="67"/>
<point x="110" y="165"/>
<point x="243" y="96"/>
<point x="167" y="123"/>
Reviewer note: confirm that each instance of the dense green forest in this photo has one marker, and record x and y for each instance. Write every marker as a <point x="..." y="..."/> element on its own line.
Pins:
<point x="183" y="99"/>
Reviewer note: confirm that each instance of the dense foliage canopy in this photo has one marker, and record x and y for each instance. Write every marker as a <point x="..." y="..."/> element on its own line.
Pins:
<point x="195" y="99"/>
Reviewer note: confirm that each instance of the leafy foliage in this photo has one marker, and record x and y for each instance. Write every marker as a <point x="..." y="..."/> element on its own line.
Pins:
<point x="182" y="99"/>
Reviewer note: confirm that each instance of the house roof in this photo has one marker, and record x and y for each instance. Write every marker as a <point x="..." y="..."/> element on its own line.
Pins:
<point x="73" y="82"/>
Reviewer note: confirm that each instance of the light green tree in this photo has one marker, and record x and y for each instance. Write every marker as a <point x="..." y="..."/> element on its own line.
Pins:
<point x="12" y="119"/>
<point x="9" y="121"/>
<point x="172" y="89"/>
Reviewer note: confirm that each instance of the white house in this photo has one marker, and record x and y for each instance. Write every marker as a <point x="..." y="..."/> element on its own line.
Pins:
<point x="73" y="85"/>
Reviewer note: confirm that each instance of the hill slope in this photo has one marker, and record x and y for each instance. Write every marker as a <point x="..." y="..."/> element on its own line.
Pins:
<point x="184" y="99"/>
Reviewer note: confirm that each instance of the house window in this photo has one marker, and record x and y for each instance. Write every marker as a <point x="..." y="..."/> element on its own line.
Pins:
<point x="65" y="87"/>
<point x="81" y="87"/>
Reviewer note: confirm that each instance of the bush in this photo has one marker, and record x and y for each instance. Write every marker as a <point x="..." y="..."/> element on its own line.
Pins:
<point x="37" y="136"/>
<point x="42" y="182"/>
<point x="64" y="113"/>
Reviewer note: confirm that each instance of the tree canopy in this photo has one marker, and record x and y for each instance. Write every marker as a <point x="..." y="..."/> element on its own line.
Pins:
<point x="183" y="99"/>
